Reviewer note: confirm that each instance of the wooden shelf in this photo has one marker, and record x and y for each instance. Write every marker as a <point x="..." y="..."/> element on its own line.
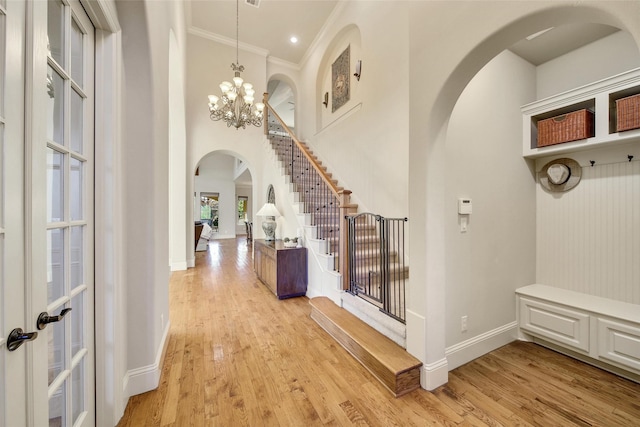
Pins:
<point x="599" y="97"/>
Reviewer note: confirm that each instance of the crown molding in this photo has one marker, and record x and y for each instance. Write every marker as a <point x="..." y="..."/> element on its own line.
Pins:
<point x="227" y="41"/>
<point x="281" y="62"/>
<point x="332" y="19"/>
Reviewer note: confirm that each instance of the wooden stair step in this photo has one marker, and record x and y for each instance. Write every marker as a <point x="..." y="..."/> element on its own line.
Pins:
<point x="396" y="369"/>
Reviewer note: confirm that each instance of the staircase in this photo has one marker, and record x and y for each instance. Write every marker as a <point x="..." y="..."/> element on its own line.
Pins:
<point x="373" y="338"/>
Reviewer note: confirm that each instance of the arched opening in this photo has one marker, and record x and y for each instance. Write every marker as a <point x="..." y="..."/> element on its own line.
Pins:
<point x="454" y="128"/>
<point x="223" y="195"/>
<point x="282" y="98"/>
<point x="336" y="90"/>
<point x="497" y="243"/>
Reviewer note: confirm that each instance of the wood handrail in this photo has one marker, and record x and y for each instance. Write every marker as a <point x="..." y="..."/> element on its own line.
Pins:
<point x="334" y="189"/>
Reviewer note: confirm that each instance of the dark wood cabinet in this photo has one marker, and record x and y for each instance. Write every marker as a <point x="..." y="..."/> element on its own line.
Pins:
<point x="283" y="270"/>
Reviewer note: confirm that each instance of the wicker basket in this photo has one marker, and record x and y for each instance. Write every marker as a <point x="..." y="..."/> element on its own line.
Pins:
<point x="628" y="110"/>
<point x="567" y="127"/>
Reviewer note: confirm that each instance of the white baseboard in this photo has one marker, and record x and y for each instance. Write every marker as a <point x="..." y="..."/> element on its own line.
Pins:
<point x="434" y="374"/>
<point x="179" y="266"/>
<point x="466" y="351"/>
<point x="146" y="378"/>
<point x="191" y="262"/>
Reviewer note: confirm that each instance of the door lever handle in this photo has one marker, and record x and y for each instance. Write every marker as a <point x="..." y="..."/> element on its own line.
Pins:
<point x="44" y="319"/>
<point x="17" y="337"/>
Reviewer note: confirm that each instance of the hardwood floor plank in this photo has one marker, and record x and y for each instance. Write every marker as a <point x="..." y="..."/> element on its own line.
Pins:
<point x="238" y="356"/>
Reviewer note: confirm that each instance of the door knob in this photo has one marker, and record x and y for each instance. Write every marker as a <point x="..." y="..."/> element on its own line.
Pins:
<point x="44" y="319"/>
<point x="17" y="337"/>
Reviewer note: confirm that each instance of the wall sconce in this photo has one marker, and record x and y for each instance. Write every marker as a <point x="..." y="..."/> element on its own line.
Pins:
<point x="326" y="100"/>
<point x="358" y="69"/>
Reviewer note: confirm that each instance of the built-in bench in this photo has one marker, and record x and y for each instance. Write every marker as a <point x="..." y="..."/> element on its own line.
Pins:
<point x="396" y="369"/>
<point x="597" y="330"/>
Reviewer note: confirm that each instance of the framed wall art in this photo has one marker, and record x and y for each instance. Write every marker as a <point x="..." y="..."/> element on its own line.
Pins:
<point x="340" y="77"/>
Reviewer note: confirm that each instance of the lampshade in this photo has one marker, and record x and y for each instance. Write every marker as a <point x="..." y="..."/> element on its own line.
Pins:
<point x="269" y="209"/>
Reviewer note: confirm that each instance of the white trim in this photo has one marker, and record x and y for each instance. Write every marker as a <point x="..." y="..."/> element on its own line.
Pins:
<point x="434" y="374"/>
<point x="466" y="351"/>
<point x="179" y="266"/>
<point x="103" y="14"/>
<point x="227" y="41"/>
<point x="332" y="19"/>
<point x="110" y="360"/>
<point x="191" y="262"/>
<point x="147" y="378"/>
<point x="281" y="62"/>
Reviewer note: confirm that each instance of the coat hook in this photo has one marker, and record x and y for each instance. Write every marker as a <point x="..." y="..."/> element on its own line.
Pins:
<point x="326" y="100"/>
<point x="593" y="162"/>
<point x="630" y="157"/>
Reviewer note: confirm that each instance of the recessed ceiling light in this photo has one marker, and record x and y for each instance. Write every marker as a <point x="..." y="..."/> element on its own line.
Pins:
<point x="294" y="39"/>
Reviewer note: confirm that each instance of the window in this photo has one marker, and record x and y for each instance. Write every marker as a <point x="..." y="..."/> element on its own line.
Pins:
<point x="242" y="208"/>
<point x="209" y="209"/>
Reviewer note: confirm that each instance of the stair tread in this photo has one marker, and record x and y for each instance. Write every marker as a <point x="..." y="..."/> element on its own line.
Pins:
<point x="391" y="355"/>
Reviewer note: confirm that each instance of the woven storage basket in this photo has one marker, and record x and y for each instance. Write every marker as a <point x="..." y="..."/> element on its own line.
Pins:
<point x="567" y="127"/>
<point x="628" y="113"/>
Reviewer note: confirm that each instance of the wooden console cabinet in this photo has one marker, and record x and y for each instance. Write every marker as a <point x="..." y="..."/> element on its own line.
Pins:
<point x="283" y="270"/>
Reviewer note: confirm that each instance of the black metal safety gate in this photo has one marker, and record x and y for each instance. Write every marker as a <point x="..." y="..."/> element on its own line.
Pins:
<point x="377" y="267"/>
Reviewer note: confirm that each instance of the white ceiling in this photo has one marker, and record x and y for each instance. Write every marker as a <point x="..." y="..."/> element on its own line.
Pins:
<point x="268" y="28"/>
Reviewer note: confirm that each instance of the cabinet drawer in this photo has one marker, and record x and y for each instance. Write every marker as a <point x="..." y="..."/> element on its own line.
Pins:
<point x="619" y="343"/>
<point x="560" y="324"/>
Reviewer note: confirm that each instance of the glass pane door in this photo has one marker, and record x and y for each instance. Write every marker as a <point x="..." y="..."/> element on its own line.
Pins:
<point x="3" y="326"/>
<point x="69" y="213"/>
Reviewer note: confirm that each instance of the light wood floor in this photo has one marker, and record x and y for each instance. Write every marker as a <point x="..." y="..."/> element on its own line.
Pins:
<point x="237" y="356"/>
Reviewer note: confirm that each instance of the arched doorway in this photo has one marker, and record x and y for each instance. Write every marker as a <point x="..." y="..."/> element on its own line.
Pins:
<point x="430" y="169"/>
<point x="223" y="194"/>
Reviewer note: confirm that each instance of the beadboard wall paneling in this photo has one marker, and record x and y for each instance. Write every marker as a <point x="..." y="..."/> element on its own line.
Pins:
<point x="588" y="239"/>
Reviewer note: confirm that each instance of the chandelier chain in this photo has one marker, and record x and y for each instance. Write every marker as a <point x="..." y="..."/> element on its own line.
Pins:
<point x="237" y="31"/>
<point x="236" y="105"/>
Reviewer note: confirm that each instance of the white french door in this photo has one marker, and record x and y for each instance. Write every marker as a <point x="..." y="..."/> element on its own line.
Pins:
<point x="46" y="249"/>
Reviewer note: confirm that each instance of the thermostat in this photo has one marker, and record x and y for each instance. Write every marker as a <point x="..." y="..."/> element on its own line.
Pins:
<point x="464" y="206"/>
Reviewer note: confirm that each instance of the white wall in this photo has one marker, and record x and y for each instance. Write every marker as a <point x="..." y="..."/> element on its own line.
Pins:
<point x="145" y="150"/>
<point x="496" y="255"/>
<point x="598" y="60"/>
<point x="177" y="158"/>
<point x="588" y="238"/>
<point x="364" y="143"/>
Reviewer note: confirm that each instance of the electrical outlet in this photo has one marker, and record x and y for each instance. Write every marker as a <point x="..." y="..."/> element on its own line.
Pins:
<point x="463" y="324"/>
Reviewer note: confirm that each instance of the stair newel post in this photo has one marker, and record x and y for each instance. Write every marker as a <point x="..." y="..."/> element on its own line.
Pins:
<point x="346" y="209"/>
<point x="265" y="114"/>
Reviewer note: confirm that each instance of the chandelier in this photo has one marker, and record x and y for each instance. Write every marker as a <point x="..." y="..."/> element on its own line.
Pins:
<point x="236" y="105"/>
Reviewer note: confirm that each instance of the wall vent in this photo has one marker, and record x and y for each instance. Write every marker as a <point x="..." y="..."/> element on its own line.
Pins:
<point x="254" y="3"/>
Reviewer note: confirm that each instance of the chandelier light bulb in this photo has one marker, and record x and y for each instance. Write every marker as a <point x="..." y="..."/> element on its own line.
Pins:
<point x="237" y="105"/>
